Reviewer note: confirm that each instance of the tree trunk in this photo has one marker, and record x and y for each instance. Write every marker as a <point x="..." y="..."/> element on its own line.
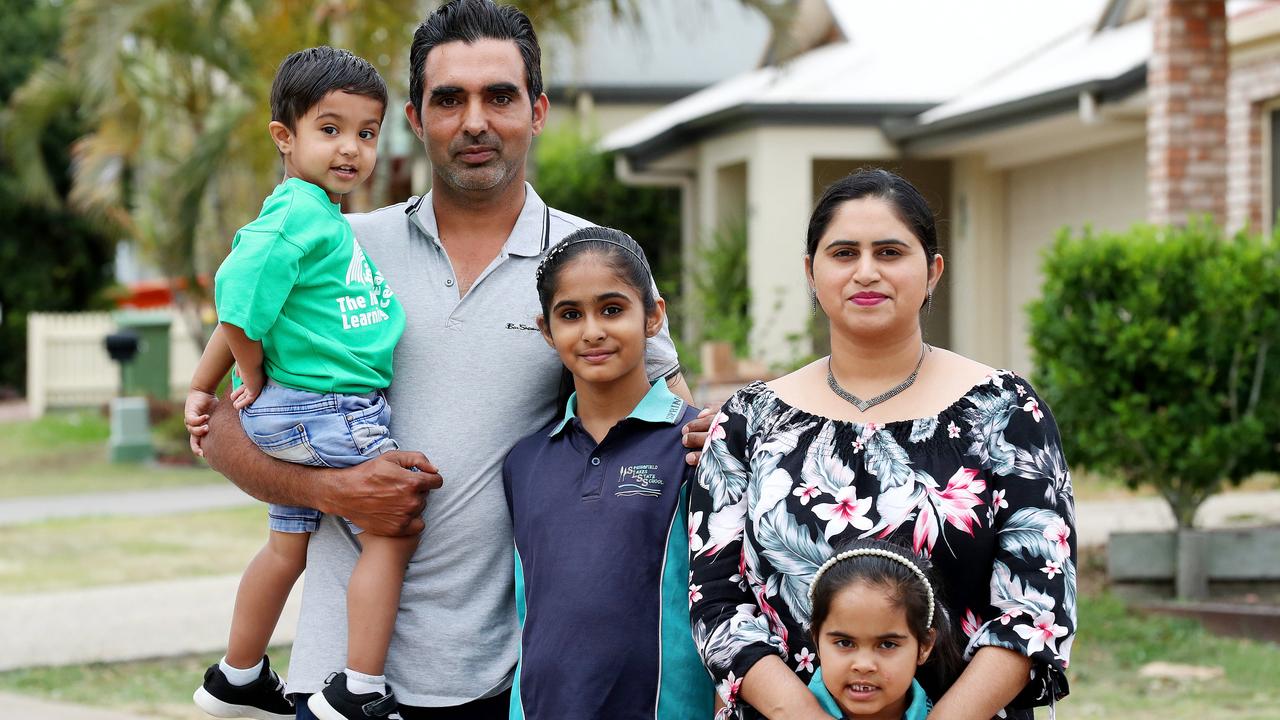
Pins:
<point x="1191" y="579"/>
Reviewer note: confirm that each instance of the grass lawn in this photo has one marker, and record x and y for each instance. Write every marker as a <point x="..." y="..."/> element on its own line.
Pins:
<point x="82" y="552"/>
<point x="65" y="453"/>
<point x="1115" y="644"/>
<point x="161" y="688"/>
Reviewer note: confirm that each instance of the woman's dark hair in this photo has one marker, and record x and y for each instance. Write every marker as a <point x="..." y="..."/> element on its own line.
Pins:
<point x="905" y="590"/>
<point x="614" y="247"/>
<point x="469" y="21"/>
<point x="307" y="76"/>
<point x="907" y="203"/>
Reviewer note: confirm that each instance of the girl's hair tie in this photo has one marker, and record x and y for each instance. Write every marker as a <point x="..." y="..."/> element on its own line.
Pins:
<point x="877" y="552"/>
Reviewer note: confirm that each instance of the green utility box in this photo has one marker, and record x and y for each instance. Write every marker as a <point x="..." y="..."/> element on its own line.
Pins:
<point x="147" y="374"/>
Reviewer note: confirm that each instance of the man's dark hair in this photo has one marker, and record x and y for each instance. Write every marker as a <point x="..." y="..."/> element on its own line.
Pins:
<point x="305" y="77"/>
<point x="470" y="21"/>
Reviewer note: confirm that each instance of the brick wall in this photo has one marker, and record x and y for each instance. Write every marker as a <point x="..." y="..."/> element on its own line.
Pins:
<point x="1254" y="87"/>
<point x="1186" y="122"/>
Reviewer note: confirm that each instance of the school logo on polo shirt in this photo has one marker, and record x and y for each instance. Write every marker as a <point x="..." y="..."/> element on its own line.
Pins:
<point x="639" y="480"/>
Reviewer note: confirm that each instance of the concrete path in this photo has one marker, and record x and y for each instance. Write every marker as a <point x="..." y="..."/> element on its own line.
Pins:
<point x="1096" y="520"/>
<point x="139" y="503"/>
<point x="125" y="622"/>
<point x="14" y="410"/>
<point x="31" y="708"/>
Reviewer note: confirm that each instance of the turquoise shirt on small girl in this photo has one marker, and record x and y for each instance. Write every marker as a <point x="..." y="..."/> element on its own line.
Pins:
<point x="917" y="708"/>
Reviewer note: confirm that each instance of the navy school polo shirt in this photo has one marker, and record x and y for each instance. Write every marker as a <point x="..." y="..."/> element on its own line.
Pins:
<point x="602" y="569"/>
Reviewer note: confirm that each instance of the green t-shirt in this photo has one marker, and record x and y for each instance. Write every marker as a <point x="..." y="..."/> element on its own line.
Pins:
<point x="298" y="281"/>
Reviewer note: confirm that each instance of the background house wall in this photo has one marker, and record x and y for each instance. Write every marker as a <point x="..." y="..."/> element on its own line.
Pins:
<point x="1105" y="188"/>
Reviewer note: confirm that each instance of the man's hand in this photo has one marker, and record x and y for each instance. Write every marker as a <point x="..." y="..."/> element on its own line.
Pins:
<point x="694" y="433"/>
<point x="195" y="415"/>
<point x="384" y="496"/>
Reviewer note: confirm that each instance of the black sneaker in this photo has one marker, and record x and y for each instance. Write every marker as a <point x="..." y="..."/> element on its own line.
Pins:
<point x="339" y="703"/>
<point x="262" y="699"/>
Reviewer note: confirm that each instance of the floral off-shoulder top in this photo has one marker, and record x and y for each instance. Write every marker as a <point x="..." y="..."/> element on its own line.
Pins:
<point x="981" y="488"/>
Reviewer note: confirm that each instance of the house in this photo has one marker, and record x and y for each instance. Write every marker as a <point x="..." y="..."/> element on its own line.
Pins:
<point x="1015" y="119"/>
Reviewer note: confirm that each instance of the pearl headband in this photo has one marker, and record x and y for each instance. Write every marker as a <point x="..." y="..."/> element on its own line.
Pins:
<point x="559" y="247"/>
<point x="876" y="552"/>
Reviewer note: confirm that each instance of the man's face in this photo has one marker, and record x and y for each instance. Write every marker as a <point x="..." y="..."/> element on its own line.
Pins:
<point x="477" y="121"/>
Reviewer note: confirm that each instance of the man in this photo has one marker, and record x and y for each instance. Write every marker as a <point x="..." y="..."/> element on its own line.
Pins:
<point x="472" y="376"/>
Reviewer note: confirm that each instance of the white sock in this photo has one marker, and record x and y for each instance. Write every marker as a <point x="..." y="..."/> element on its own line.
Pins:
<point x="239" y="677"/>
<point x="359" y="683"/>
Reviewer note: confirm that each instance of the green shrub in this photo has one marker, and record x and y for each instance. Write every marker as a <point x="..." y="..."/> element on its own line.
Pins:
<point x="1157" y="349"/>
<point x="722" y="290"/>
<point x="573" y="176"/>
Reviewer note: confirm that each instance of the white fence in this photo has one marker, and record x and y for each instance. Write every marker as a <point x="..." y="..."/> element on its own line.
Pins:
<point x="68" y="365"/>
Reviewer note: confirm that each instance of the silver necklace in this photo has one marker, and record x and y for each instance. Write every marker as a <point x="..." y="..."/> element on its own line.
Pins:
<point x="865" y="405"/>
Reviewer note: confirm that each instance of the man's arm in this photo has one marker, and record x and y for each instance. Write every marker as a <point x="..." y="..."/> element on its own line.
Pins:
<point x="382" y="496"/>
<point x="695" y="431"/>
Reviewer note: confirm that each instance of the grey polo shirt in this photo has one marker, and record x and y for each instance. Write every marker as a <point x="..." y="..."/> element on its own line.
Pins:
<point x="472" y="376"/>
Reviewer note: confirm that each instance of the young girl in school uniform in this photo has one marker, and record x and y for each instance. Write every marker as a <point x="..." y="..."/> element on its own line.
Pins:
<point x="598" y="500"/>
<point x="876" y="620"/>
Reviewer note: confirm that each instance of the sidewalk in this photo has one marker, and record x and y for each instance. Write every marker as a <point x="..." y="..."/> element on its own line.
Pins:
<point x="138" y="503"/>
<point x="125" y="622"/>
<point x="1098" y="519"/>
<point x="30" y="708"/>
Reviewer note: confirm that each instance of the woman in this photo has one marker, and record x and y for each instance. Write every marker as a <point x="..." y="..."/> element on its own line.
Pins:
<point x="959" y="461"/>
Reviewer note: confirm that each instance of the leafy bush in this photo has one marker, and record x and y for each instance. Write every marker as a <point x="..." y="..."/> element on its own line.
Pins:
<point x="573" y="176"/>
<point x="1157" y="349"/>
<point x="721" y="288"/>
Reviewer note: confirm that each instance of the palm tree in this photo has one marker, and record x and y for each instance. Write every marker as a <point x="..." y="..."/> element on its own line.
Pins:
<point x="174" y="92"/>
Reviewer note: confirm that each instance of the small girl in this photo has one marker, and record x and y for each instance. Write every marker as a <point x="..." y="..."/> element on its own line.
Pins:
<point x="876" y="619"/>
<point x="598" y="500"/>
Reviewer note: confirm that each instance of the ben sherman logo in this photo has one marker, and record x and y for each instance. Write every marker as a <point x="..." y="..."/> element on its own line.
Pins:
<point x="639" y="480"/>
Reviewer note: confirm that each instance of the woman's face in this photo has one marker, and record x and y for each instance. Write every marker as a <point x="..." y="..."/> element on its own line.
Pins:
<point x="870" y="272"/>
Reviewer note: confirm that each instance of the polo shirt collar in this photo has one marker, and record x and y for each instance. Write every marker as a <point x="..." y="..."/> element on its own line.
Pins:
<point x="530" y="237"/>
<point x="313" y="190"/>
<point x="659" y="405"/>
<point x="918" y="704"/>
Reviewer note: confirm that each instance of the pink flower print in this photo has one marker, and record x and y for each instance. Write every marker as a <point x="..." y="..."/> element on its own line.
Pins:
<point x="953" y="430"/>
<point x="695" y="524"/>
<point x="730" y="688"/>
<point x="1042" y="633"/>
<point x="804" y="660"/>
<point x="957" y="500"/>
<point x="857" y="446"/>
<point x="971" y="623"/>
<point x="717" y="432"/>
<point x="1021" y="390"/>
<point x="847" y="510"/>
<point x="998" y="501"/>
<point x="807" y="492"/>
<point x="695" y="593"/>
<point x="1058" y="532"/>
<point x="1051" y="568"/>
<point x="1009" y="615"/>
<point x="1033" y="407"/>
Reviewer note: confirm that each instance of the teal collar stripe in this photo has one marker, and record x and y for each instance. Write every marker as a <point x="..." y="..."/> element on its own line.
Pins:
<point x="659" y="405"/>
<point x="917" y="709"/>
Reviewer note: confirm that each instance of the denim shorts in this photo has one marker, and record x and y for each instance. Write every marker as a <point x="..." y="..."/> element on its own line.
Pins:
<point x="320" y="429"/>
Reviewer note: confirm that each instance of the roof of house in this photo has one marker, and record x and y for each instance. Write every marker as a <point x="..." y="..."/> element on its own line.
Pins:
<point x="921" y="68"/>
<point x="898" y="59"/>
<point x="674" y="46"/>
